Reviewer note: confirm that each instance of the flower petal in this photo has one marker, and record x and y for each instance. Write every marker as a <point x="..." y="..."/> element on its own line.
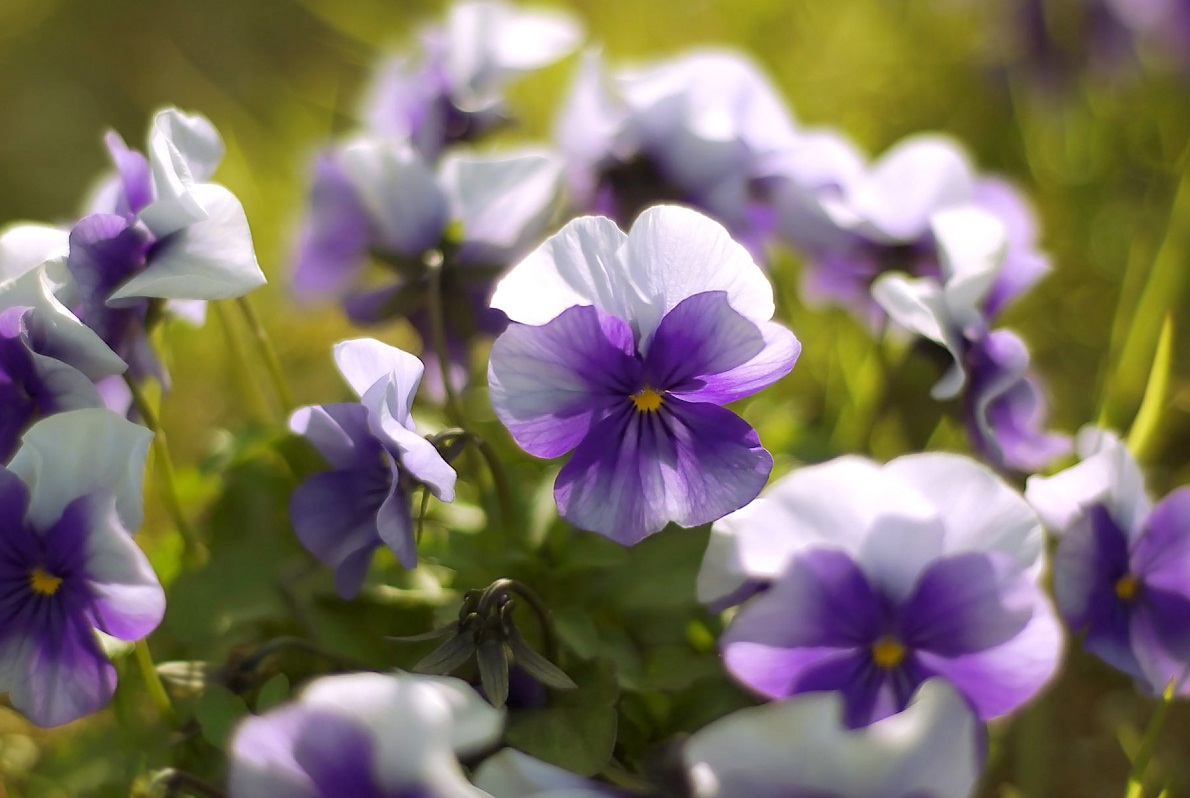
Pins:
<point x="332" y="248"/>
<point x="339" y="432"/>
<point x="69" y="455"/>
<point x="365" y="361"/>
<point x="690" y="463"/>
<point x="26" y="246"/>
<point x="208" y="259"/>
<point x="549" y="384"/>
<point x="335" y="516"/>
<point x="704" y="351"/>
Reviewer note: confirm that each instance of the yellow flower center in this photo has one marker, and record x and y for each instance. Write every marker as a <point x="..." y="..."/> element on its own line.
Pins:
<point x="1126" y="587"/>
<point x="43" y="582"/>
<point x="887" y="652"/>
<point x="647" y="400"/>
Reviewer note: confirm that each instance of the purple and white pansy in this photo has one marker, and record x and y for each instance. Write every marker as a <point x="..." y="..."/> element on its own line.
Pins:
<point x="366" y="735"/>
<point x="1004" y="407"/>
<point x="623" y="348"/>
<point x="1121" y="571"/>
<point x="69" y="501"/>
<point x="870" y="579"/>
<point x="377" y="458"/>
<point x="934" y="747"/>
<point x="454" y="92"/>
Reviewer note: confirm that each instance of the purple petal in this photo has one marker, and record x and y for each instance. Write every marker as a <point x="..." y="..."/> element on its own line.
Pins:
<point x="705" y="351"/>
<point x="263" y="763"/>
<point x="394" y="522"/>
<point x="333" y="244"/>
<point x="339" y="432"/>
<point x="967" y="603"/>
<point x="1000" y="679"/>
<point x="1162" y="554"/>
<point x="549" y="384"/>
<point x="635" y="471"/>
<point x="334" y="516"/>
<point x="133" y="171"/>
<point x="337" y="752"/>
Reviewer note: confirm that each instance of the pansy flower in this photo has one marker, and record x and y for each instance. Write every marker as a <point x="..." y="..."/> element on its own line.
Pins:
<point x="801" y="749"/>
<point x="854" y="223"/>
<point x="454" y="92"/>
<point x="158" y="230"/>
<point x="365" y="735"/>
<point x="1122" y="567"/>
<point x="875" y="578"/>
<point x="1004" y="407"/>
<point x="377" y="458"/>
<point x="624" y="348"/>
<point x="68" y="565"/>
<point x="701" y="129"/>
<point x="376" y="201"/>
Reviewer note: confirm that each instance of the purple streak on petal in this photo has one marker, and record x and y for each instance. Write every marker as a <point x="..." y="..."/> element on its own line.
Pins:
<point x="550" y="384"/>
<point x="337" y="753"/>
<point x="704" y="351"/>
<point x="1160" y="640"/>
<point x="967" y="603"/>
<point x="133" y="169"/>
<point x="869" y="693"/>
<point x="332" y="247"/>
<point x="690" y="463"/>
<point x="22" y="396"/>
<point x="1023" y="263"/>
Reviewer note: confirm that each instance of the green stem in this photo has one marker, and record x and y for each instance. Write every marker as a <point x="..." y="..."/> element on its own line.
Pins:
<point x="269" y="355"/>
<point x="192" y="548"/>
<point x="246" y="384"/>
<point x="1148" y="744"/>
<point x="495" y="468"/>
<point x="454" y="409"/>
<point x="160" y="698"/>
<point x="503" y="586"/>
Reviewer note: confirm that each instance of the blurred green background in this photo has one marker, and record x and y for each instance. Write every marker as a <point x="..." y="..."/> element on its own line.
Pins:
<point x="1099" y="150"/>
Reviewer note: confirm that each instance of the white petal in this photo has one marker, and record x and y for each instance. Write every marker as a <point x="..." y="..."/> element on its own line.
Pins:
<point x="979" y="510"/>
<point x="183" y="150"/>
<point x="919" y="305"/>
<point x="208" y="259"/>
<point x="512" y="774"/>
<point x="914" y="179"/>
<point x="399" y="191"/>
<point x="69" y="455"/>
<point x="502" y="202"/>
<point x="931" y="748"/>
<point x="971" y="247"/>
<point x="581" y="264"/>
<point x="833" y="504"/>
<point x="1108" y="474"/>
<point x="674" y="253"/>
<point x="365" y="361"/>
<point x="25" y="246"/>
<point x="62" y="335"/>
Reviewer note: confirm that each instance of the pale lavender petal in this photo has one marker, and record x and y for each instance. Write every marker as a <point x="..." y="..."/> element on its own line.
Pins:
<point x="394" y="522"/>
<point x="263" y="764"/>
<point x="128" y="600"/>
<point x="132" y="171"/>
<point x="549" y="384"/>
<point x="690" y="463"/>
<point x="339" y="432"/>
<point x="705" y="351"/>
<point x="364" y="362"/>
<point x="334" y="516"/>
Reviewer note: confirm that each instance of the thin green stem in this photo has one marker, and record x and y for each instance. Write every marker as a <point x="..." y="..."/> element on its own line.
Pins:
<point x="157" y="693"/>
<point x="269" y="355"/>
<point x="503" y="586"/>
<point x="249" y="389"/>
<point x="499" y="479"/>
<point x="454" y="408"/>
<point x="1148" y="744"/>
<point x="193" y="549"/>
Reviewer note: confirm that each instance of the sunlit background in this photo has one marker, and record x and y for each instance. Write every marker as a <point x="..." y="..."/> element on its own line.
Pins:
<point x="1094" y="132"/>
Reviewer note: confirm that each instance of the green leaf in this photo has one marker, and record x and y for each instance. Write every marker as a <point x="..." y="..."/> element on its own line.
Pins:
<point x="577" y="731"/>
<point x="217" y="713"/>
<point x="1144" y="427"/>
<point x="275" y="691"/>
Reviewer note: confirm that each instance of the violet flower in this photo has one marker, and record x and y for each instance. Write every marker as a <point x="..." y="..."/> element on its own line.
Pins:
<point x="700" y="129"/>
<point x="158" y="231"/>
<point x="876" y="578"/>
<point x="855" y="224"/>
<point x="1121" y="571"/>
<point x="377" y="458"/>
<point x="624" y="349"/>
<point x="68" y="565"/>
<point x="454" y="92"/>
<point x="1004" y="407"/>
<point x="375" y="200"/>
<point x="25" y="246"/>
<point x="800" y="749"/>
<point x="365" y="735"/>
